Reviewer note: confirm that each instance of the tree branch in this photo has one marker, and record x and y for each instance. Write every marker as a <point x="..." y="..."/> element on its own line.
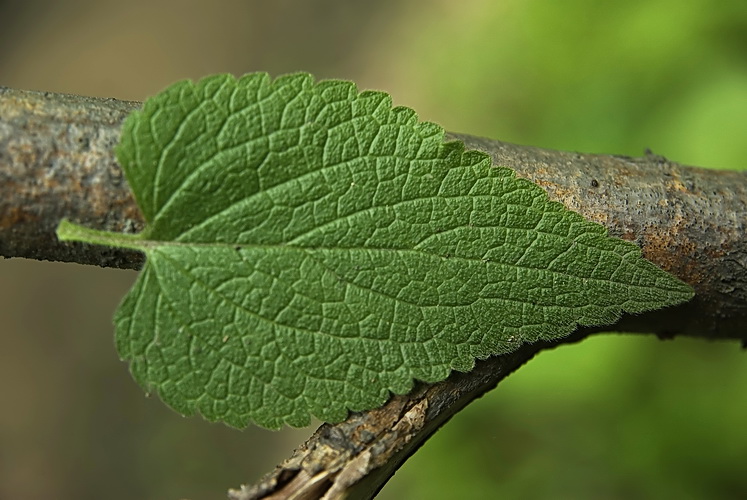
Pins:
<point x="57" y="160"/>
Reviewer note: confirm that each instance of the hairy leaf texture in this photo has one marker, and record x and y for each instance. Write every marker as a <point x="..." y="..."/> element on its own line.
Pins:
<point x="310" y="249"/>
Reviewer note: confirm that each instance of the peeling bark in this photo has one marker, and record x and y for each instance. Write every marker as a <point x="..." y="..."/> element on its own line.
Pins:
<point x="57" y="161"/>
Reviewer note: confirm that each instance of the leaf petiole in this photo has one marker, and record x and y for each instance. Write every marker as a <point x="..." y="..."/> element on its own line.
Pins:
<point x="69" y="231"/>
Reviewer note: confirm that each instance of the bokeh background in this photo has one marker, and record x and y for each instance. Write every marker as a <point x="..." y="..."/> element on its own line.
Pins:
<point x="612" y="417"/>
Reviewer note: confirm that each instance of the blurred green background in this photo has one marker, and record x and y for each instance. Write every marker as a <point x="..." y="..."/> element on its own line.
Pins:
<point x="612" y="417"/>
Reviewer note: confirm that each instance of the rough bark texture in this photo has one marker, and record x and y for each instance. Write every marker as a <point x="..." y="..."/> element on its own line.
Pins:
<point x="57" y="160"/>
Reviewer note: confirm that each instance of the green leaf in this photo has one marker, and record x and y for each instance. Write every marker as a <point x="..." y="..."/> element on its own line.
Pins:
<point x="310" y="248"/>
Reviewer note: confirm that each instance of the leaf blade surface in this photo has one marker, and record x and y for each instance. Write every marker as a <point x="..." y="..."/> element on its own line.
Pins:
<point x="311" y="248"/>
